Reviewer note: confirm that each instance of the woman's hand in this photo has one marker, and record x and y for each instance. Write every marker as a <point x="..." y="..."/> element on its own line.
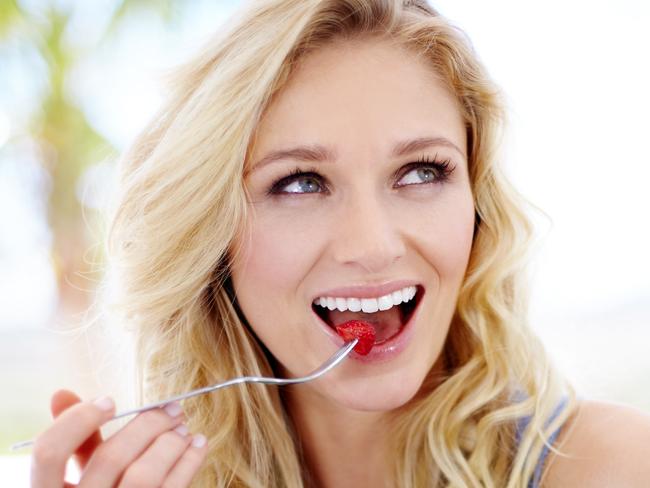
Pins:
<point x="153" y="449"/>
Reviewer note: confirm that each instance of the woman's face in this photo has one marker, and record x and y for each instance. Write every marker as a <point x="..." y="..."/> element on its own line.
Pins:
<point x="359" y="192"/>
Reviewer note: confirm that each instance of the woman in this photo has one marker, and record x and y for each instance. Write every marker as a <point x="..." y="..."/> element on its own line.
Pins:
<point x="323" y="161"/>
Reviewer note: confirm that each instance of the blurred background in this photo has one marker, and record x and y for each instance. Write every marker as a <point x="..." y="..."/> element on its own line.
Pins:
<point x="79" y="79"/>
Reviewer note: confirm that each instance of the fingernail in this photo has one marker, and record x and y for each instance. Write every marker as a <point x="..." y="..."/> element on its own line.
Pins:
<point x="174" y="409"/>
<point x="182" y="430"/>
<point x="198" y="440"/>
<point x="105" y="403"/>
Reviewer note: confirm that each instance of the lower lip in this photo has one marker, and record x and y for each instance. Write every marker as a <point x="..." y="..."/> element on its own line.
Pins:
<point x="385" y="351"/>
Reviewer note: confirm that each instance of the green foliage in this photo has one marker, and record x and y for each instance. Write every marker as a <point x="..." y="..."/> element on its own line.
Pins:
<point x="68" y="143"/>
<point x="10" y="16"/>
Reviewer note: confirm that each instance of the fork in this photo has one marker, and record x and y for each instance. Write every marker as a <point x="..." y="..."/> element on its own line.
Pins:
<point x="334" y="360"/>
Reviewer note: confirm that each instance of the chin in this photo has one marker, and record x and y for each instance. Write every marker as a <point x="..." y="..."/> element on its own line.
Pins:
<point x="374" y="394"/>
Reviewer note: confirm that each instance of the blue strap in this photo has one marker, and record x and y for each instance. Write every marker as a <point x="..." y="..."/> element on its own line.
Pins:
<point x="521" y="427"/>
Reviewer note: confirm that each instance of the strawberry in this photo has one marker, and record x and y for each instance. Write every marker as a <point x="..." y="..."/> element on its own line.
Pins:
<point x="357" y="329"/>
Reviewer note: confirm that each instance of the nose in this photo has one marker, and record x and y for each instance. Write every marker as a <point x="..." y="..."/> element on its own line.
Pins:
<point x="368" y="235"/>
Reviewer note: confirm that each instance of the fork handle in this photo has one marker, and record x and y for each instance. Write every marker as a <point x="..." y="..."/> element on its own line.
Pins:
<point x="329" y="364"/>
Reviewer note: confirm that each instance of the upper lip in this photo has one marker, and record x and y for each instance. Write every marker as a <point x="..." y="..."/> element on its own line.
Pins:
<point x="367" y="291"/>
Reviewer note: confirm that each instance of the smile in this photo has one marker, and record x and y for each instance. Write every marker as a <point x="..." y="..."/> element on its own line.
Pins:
<point x="368" y="305"/>
<point x="388" y="313"/>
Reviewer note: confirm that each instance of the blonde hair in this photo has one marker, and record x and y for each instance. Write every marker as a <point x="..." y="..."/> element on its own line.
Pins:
<point x="182" y="201"/>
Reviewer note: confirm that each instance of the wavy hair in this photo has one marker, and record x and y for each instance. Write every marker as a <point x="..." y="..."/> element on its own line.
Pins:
<point x="182" y="201"/>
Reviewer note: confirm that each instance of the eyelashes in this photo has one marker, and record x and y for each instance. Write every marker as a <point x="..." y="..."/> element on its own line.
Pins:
<point x="297" y="174"/>
<point x="439" y="170"/>
<point x="431" y="171"/>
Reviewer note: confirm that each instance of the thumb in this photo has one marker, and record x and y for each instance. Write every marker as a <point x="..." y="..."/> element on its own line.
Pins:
<point x="61" y="401"/>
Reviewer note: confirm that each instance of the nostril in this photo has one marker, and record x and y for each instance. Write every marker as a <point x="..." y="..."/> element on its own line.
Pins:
<point x="373" y="261"/>
<point x="370" y="242"/>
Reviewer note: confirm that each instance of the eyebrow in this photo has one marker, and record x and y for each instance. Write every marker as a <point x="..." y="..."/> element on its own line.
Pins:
<point x="317" y="153"/>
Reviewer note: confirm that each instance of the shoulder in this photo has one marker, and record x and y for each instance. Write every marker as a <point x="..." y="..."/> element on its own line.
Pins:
<point x="601" y="445"/>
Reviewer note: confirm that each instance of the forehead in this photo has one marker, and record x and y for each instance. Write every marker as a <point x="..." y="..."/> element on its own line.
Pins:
<point x="359" y="95"/>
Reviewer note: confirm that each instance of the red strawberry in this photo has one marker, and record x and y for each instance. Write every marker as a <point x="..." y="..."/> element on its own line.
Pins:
<point x="357" y="329"/>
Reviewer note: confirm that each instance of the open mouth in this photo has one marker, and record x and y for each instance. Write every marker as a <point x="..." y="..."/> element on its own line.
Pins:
<point x="387" y="314"/>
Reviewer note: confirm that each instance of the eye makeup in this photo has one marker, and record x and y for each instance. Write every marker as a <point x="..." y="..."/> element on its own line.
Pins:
<point x="297" y="174"/>
<point x="439" y="169"/>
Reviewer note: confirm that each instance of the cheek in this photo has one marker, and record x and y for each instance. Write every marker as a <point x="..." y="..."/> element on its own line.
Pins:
<point x="267" y="274"/>
<point x="277" y="251"/>
<point x="445" y="237"/>
<point x="273" y="261"/>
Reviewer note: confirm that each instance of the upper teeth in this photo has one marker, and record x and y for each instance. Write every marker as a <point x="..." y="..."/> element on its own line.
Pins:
<point x="367" y="305"/>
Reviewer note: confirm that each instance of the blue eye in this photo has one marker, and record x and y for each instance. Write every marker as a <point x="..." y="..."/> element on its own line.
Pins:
<point x="424" y="172"/>
<point x="418" y="176"/>
<point x="299" y="182"/>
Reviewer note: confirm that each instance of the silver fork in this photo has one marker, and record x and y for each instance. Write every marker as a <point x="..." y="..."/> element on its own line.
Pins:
<point x="334" y="360"/>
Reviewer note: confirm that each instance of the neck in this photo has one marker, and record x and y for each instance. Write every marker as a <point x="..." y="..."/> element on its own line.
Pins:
<point x="342" y="447"/>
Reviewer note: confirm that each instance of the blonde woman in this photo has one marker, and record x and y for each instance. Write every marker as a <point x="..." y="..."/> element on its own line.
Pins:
<point x="317" y="158"/>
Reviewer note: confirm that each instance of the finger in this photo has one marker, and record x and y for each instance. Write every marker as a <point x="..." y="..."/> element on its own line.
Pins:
<point x="62" y="400"/>
<point x="54" y="446"/>
<point x="187" y="466"/>
<point x="115" y="454"/>
<point x="150" y="469"/>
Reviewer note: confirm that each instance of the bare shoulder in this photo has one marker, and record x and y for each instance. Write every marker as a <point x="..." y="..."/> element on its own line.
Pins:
<point x="602" y="445"/>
